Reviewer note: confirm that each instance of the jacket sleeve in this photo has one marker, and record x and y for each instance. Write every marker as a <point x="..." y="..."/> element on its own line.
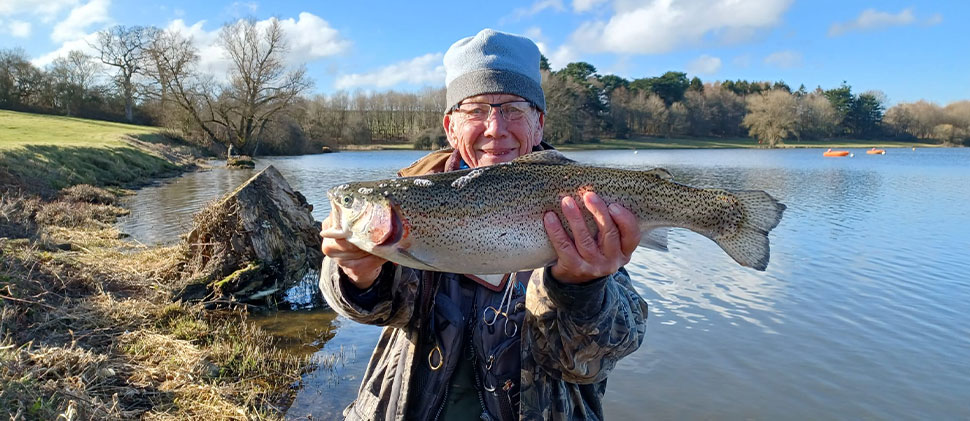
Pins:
<point x="396" y="294"/>
<point x="579" y="332"/>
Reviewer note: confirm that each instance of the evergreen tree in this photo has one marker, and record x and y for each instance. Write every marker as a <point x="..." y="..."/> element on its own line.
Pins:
<point x="696" y="85"/>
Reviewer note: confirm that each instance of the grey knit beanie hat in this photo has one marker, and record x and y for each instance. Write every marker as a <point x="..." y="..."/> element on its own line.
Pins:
<point x="493" y="62"/>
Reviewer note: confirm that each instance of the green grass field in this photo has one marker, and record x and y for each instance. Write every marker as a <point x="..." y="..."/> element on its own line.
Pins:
<point x="19" y="129"/>
<point x="45" y="153"/>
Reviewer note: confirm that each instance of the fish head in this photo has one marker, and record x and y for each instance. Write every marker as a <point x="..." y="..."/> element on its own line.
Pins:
<point x="364" y="217"/>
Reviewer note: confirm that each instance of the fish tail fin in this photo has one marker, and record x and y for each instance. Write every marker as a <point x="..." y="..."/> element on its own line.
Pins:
<point x="748" y="245"/>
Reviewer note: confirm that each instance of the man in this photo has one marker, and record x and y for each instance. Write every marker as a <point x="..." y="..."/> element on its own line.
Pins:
<point x="531" y="345"/>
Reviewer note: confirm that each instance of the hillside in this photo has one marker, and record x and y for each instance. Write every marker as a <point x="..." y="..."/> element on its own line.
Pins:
<point x="42" y="154"/>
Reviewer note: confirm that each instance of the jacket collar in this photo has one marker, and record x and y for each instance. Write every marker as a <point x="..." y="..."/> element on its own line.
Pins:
<point x="444" y="160"/>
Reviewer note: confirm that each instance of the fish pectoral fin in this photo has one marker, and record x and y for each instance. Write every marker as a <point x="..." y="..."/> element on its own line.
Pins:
<point x="655" y="238"/>
<point x="421" y="264"/>
<point x="661" y="173"/>
<point x="544" y="157"/>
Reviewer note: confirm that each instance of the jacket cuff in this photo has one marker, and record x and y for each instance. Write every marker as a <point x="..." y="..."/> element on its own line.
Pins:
<point x="583" y="301"/>
<point x="368" y="298"/>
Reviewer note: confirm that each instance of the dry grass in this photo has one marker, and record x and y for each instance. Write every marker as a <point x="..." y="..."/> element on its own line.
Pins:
<point x="87" y="330"/>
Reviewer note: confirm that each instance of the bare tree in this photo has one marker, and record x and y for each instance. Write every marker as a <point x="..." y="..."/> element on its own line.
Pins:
<point x="816" y="118"/>
<point x="173" y="68"/>
<point x="124" y="47"/>
<point x="260" y="84"/>
<point x="771" y="116"/>
<point x="76" y="68"/>
<point x="72" y="76"/>
<point x="21" y="83"/>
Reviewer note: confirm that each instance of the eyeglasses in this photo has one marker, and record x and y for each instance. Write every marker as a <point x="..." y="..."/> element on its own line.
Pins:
<point x="479" y="111"/>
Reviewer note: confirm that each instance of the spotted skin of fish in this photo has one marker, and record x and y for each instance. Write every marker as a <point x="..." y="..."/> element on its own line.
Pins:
<point x="489" y="219"/>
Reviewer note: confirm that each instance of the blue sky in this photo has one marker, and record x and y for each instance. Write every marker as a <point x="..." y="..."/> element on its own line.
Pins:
<point x="909" y="50"/>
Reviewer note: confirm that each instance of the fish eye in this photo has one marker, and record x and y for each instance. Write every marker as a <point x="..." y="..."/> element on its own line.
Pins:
<point x="347" y="200"/>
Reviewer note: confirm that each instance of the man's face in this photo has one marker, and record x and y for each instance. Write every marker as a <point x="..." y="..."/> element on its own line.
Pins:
<point x="493" y="139"/>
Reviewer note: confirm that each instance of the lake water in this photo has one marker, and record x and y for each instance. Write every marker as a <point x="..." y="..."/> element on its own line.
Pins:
<point x="863" y="312"/>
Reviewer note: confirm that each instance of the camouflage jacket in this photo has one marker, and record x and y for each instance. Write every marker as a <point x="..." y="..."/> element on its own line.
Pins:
<point x="568" y="338"/>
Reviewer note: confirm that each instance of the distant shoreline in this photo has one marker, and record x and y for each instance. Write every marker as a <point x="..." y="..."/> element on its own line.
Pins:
<point x="692" y="143"/>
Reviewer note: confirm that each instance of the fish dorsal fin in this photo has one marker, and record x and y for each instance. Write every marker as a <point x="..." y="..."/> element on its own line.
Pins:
<point x="544" y="157"/>
<point x="661" y="173"/>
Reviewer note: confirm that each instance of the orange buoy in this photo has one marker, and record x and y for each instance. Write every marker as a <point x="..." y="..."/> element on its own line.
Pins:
<point x="875" y="151"/>
<point x="830" y="152"/>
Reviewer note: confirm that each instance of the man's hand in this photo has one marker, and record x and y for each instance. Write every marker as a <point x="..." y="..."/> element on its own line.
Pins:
<point x="360" y="266"/>
<point x="584" y="258"/>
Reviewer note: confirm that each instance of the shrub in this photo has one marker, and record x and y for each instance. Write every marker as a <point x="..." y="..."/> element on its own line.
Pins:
<point x="430" y="138"/>
<point x="87" y="193"/>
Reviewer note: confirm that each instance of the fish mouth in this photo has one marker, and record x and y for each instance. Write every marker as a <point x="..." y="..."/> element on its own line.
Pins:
<point x="336" y="228"/>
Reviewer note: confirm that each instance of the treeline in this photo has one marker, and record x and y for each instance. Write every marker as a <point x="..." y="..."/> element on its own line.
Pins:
<point x="150" y="76"/>
<point x="584" y="105"/>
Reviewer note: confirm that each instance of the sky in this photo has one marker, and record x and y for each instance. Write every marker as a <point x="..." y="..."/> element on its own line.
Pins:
<point x="909" y="50"/>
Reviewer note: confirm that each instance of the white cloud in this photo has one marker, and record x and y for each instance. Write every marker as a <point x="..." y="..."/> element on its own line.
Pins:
<point x="309" y="38"/>
<point x="427" y="69"/>
<point x="784" y="59"/>
<point x="19" y="28"/>
<point x="83" y="44"/>
<point x="242" y="9"/>
<point x="654" y="27"/>
<point x="557" y="58"/>
<point x="212" y="60"/>
<point x="580" y="6"/>
<point x="704" y="65"/>
<point x="535" y="34"/>
<point x="563" y="55"/>
<point x="872" y="19"/>
<point x="935" y="19"/>
<point x="536" y="8"/>
<point x="73" y="27"/>
<point x="46" y="9"/>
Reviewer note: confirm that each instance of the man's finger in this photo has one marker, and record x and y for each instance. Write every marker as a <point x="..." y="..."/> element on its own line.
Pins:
<point x="336" y="247"/>
<point x="584" y="241"/>
<point x="329" y="228"/>
<point x="559" y="238"/>
<point x="628" y="227"/>
<point x="608" y="236"/>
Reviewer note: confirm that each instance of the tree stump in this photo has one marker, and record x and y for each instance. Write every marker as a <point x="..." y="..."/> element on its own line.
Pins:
<point x="258" y="245"/>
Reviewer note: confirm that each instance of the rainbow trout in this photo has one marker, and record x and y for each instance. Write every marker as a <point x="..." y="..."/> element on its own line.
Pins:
<point x="488" y="220"/>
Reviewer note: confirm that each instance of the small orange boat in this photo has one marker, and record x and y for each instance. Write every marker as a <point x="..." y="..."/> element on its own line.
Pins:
<point x="875" y="151"/>
<point x="835" y="153"/>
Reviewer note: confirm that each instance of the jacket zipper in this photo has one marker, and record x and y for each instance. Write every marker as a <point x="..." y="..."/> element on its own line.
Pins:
<point x="443" y="402"/>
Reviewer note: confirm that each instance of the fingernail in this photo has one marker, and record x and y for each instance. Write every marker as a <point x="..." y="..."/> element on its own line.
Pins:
<point x="550" y="217"/>
<point x="614" y="209"/>
<point x="569" y="202"/>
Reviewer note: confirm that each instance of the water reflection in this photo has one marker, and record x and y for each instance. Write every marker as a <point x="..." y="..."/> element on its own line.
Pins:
<point x="299" y="332"/>
<point x="340" y="349"/>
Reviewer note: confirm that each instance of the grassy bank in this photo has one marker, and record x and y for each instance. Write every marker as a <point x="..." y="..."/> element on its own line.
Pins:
<point x="42" y="154"/>
<point x="87" y="326"/>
